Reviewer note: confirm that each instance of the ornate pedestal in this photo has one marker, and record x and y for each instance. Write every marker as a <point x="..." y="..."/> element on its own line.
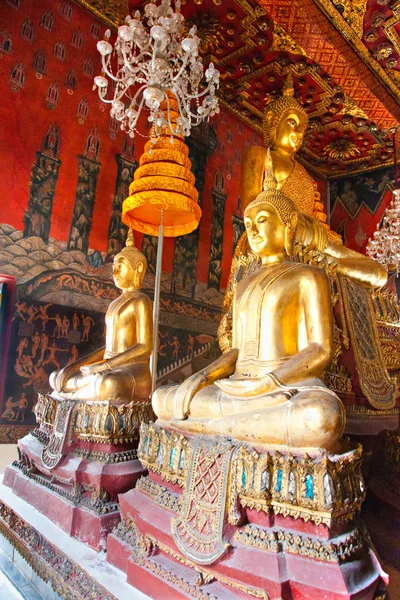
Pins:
<point x="74" y="465"/>
<point x="216" y="518"/>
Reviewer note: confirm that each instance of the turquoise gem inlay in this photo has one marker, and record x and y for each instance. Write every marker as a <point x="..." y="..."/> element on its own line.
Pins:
<point x="171" y="457"/>
<point x="279" y="480"/>
<point x="146" y="441"/>
<point x="309" y="486"/>
<point x="160" y="455"/>
<point x="181" y="459"/>
<point x="244" y="478"/>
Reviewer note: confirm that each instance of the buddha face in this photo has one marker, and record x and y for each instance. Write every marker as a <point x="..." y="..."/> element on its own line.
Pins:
<point x="265" y="230"/>
<point x="125" y="277"/>
<point x="289" y="134"/>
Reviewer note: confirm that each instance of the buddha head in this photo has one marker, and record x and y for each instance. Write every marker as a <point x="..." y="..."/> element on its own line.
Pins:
<point x="285" y="121"/>
<point x="129" y="266"/>
<point x="271" y="219"/>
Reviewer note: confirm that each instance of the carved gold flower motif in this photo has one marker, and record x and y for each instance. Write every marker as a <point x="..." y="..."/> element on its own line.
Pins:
<point x="341" y="149"/>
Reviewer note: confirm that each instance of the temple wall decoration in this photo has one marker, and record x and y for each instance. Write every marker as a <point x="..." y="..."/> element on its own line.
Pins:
<point x="126" y="168"/>
<point x="66" y="172"/>
<point x="357" y="204"/>
<point x="218" y="213"/>
<point x="37" y="218"/>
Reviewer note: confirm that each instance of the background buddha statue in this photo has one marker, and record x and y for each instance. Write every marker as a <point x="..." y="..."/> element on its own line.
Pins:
<point x="267" y="388"/>
<point x="119" y="371"/>
<point x="284" y="125"/>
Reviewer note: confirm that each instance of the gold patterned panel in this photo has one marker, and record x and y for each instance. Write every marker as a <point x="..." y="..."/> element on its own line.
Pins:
<point x="376" y="384"/>
<point x="319" y="488"/>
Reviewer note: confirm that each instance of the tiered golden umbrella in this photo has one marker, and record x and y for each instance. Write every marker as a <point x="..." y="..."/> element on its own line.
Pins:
<point x="162" y="198"/>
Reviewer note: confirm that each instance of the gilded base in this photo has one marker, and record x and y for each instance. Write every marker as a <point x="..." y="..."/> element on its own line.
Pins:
<point x="322" y="488"/>
<point x="99" y="422"/>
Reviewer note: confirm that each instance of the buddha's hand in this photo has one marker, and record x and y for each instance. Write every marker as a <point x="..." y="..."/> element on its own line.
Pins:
<point x="185" y="393"/>
<point x="59" y="379"/>
<point x="97" y="367"/>
<point x="247" y="388"/>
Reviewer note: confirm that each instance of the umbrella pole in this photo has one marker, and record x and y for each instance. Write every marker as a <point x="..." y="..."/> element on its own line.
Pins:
<point x="156" y="304"/>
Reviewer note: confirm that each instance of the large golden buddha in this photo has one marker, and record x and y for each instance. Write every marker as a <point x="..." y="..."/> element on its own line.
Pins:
<point x="119" y="371"/>
<point x="284" y="125"/>
<point x="267" y="388"/>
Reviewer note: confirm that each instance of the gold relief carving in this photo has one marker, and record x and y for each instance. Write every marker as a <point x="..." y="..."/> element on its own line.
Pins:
<point x="375" y="382"/>
<point x="353" y="13"/>
<point x="385" y="75"/>
<point x="320" y="489"/>
<point x="144" y="546"/>
<point x="104" y="422"/>
<point x="160" y="494"/>
<point x="283" y="42"/>
<point x="94" y="498"/>
<point x="338" y="550"/>
<point x="338" y="380"/>
<point x="350" y="107"/>
<point x="165" y="453"/>
<point x="112" y="12"/>
<point x="341" y="149"/>
<point x="363" y="411"/>
<point x="199" y="529"/>
<point x="45" y="410"/>
<point x="323" y="489"/>
<point x="337" y="377"/>
<point x="66" y="577"/>
<point x="101" y="422"/>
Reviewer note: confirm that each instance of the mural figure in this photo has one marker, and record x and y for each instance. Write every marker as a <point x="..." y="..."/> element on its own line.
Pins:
<point x="87" y="323"/>
<point x="9" y="414"/>
<point x="43" y="316"/>
<point x="117" y="231"/>
<point x="88" y="171"/>
<point x="202" y="144"/>
<point x="75" y="321"/>
<point x="57" y="331"/>
<point x="37" y="219"/>
<point x="65" y="326"/>
<point x="52" y="355"/>
<point x="35" y="344"/>
<point x="149" y="249"/>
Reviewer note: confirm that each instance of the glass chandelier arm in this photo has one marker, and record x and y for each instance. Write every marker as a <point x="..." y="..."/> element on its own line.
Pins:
<point x="106" y="70"/>
<point x="181" y="70"/>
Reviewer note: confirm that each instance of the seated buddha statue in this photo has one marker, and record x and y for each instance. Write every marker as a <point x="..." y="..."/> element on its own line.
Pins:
<point x="119" y="371"/>
<point x="284" y="125"/>
<point x="267" y="389"/>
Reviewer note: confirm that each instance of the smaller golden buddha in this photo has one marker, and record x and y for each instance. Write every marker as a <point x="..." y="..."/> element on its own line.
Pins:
<point x="267" y="388"/>
<point x="119" y="371"/>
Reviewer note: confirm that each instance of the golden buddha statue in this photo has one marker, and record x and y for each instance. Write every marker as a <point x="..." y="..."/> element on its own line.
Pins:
<point x="267" y="388"/>
<point x="284" y="125"/>
<point x="119" y="371"/>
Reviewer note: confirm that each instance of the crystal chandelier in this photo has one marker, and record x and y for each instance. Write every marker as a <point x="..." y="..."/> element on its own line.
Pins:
<point x="150" y="57"/>
<point x="385" y="245"/>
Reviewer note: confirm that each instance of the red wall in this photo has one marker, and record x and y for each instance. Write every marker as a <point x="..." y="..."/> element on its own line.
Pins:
<point x="25" y="118"/>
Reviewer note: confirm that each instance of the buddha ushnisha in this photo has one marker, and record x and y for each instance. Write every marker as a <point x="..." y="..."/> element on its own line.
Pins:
<point x="267" y="389"/>
<point x="119" y="371"/>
